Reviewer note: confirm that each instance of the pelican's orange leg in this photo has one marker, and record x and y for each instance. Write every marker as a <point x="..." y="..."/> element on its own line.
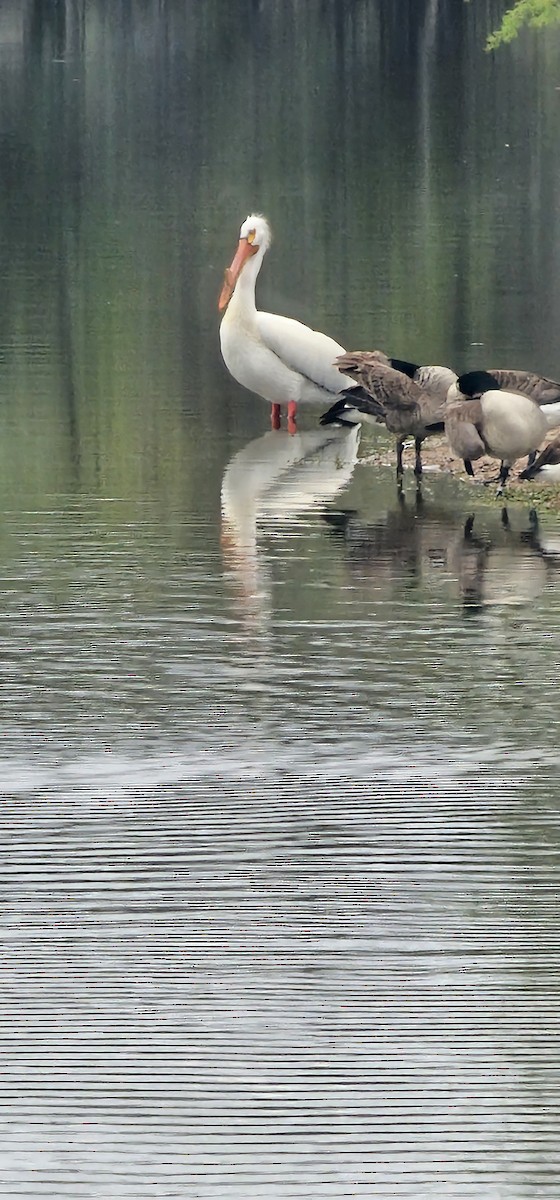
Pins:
<point x="275" y="416"/>
<point x="292" y="411"/>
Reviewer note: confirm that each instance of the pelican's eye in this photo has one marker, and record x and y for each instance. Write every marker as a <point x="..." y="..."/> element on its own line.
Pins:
<point x="251" y="236"/>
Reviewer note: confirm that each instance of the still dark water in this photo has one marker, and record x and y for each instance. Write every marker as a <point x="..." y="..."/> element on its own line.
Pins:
<point x="279" y="768"/>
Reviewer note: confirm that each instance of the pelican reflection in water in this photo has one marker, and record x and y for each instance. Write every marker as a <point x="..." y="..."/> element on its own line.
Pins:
<point x="269" y="484"/>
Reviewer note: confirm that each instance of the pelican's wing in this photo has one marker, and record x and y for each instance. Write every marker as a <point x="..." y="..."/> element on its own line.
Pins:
<point x="303" y="349"/>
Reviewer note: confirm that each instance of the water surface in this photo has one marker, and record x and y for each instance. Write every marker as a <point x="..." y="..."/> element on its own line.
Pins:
<point x="278" y="766"/>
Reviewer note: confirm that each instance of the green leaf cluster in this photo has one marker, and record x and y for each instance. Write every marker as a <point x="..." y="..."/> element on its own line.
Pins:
<point x="534" y="13"/>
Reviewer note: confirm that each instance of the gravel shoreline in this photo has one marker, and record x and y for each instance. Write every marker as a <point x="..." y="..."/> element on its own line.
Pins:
<point x="438" y="457"/>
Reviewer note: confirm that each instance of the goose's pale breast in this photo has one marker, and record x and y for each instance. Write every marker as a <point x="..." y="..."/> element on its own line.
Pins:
<point x="513" y="424"/>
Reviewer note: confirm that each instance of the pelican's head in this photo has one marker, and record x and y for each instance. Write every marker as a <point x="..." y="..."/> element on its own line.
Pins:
<point x="256" y="230"/>
<point x="254" y="238"/>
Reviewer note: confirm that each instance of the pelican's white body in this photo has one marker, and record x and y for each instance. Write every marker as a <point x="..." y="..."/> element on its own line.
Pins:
<point x="278" y="358"/>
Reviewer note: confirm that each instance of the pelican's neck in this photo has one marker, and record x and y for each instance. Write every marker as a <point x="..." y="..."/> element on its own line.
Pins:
<point x="242" y="303"/>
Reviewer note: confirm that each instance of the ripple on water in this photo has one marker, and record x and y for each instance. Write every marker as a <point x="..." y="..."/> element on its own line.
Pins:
<point x="258" y="986"/>
<point x="279" y="894"/>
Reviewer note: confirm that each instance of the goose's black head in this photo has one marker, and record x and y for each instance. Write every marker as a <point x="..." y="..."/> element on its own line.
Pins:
<point x="476" y="383"/>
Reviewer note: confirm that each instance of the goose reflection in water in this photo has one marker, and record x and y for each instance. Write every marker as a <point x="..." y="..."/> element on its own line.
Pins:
<point x="270" y="483"/>
<point x="511" y="569"/>
<point x="483" y="560"/>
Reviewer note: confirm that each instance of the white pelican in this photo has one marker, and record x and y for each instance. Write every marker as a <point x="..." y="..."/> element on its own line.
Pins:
<point x="276" y="357"/>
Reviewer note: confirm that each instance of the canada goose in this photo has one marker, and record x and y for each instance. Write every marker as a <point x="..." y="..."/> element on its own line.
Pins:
<point x="505" y="425"/>
<point x="408" y="399"/>
<point x="547" y="466"/>
<point x="280" y="359"/>
<point x="545" y="392"/>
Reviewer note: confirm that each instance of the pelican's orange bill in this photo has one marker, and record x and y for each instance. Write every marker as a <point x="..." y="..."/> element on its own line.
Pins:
<point x="243" y="252"/>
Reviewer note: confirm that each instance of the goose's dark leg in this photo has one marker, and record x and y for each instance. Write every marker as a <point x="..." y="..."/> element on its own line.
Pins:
<point x="468" y="467"/>
<point x="531" y="459"/>
<point x="400" y="445"/>
<point x="498" y="478"/>
<point x="418" y="463"/>
<point x="468" y="528"/>
<point x="504" y="472"/>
